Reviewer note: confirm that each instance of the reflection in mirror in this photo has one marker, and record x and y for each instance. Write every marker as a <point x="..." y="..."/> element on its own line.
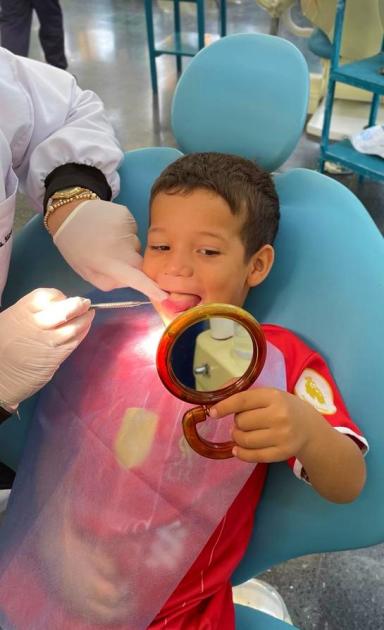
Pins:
<point x="211" y="354"/>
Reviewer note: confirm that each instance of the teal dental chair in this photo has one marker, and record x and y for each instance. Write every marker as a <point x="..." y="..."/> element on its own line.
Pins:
<point x="327" y="284"/>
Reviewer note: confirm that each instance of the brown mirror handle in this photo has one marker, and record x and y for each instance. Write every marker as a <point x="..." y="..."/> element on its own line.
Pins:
<point x="213" y="450"/>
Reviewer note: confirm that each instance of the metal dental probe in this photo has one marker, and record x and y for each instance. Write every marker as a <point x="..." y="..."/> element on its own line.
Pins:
<point x="107" y="305"/>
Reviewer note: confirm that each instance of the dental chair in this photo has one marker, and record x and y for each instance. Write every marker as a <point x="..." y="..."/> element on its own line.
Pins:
<point x="326" y="285"/>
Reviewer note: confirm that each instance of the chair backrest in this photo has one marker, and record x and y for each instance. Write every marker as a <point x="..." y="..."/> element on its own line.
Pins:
<point x="327" y="285"/>
<point x="245" y="94"/>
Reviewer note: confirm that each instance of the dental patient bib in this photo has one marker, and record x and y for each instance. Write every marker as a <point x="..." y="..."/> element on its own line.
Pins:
<point x="111" y="506"/>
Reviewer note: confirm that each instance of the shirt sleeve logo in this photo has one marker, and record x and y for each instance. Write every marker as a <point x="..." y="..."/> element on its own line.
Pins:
<point x="315" y="389"/>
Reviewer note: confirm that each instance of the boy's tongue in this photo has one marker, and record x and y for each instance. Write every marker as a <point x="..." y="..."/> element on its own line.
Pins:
<point x="178" y="302"/>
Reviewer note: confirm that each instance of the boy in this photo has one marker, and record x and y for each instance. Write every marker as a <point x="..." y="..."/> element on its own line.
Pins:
<point x="213" y="214"/>
<point x="213" y="219"/>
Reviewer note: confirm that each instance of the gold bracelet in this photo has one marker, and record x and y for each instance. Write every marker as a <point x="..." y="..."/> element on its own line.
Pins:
<point x="54" y="205"/>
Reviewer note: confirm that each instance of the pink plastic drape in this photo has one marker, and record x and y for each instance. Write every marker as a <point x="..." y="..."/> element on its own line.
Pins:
<point x="111" y="507"/>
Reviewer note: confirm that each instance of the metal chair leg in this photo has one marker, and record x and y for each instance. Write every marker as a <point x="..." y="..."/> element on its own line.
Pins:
<point x="177" y="25"/>
<point x="200" y="23"/>
<point x="274" y="27"/>
<point x="223" y="18"/>
<point x="327" y="121"/>
<point x="151" y="43"/>
<point x="374" y="110"/>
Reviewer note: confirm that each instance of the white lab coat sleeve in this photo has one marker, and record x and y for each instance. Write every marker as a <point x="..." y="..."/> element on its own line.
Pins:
<point x="68" y="125"/>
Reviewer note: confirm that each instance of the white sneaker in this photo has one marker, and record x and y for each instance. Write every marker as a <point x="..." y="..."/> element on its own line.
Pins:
<point x="370" y="141"/>
<point x="259" y="595"/>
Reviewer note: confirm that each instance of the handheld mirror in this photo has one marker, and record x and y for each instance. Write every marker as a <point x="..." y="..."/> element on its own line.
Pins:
<point x="205" y="355"/>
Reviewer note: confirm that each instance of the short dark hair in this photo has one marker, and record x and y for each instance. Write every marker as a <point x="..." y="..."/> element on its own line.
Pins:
<point x="240" y="182"/>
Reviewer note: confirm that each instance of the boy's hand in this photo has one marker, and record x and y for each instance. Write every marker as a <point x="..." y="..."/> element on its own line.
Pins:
<point x="270" y="425"/>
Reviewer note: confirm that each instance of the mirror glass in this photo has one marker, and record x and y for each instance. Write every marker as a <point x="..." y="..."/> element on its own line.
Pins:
<point x="211" y="354"/>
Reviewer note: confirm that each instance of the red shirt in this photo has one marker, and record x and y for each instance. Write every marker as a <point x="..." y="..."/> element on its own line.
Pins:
<point x="203" y="599"/>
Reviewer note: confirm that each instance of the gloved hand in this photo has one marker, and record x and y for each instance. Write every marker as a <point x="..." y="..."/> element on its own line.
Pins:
<point x="36" y="335"/>
<point x="99" y="241"/>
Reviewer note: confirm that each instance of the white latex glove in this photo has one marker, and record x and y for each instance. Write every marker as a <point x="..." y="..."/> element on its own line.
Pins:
<point x="36" y="335"/>
<point x="99" y="241"/>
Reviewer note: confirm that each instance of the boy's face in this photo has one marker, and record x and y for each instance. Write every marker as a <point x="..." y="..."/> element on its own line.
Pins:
<point x="195" y="252"/>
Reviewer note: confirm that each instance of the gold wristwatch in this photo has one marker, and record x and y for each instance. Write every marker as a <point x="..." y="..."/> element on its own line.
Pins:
<point x="67" y="195"/>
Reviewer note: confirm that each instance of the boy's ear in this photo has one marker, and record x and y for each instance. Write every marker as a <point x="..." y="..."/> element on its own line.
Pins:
<point x="260" y="265"/>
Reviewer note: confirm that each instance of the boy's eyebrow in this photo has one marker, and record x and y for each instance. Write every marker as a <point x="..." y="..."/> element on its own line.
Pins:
<point x="213" y="234"/>
<point x="201" y="233"/>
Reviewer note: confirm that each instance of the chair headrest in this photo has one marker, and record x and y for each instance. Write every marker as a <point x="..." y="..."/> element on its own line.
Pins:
<point x="245" y="94"/>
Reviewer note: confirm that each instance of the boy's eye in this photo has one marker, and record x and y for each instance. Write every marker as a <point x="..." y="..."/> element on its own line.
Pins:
<point x="159" y="248"/>
<point x="208" y="252"/>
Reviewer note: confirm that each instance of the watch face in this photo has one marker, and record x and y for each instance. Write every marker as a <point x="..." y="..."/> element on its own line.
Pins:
<point x="67" y="193"/>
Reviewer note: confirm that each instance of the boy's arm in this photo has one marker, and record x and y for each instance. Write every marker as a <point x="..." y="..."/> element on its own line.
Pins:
<point x="332" y="461"/>
<point x="272" y="425"/>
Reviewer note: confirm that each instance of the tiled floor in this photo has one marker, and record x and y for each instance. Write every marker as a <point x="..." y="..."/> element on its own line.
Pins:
<point x="106" y="45"/>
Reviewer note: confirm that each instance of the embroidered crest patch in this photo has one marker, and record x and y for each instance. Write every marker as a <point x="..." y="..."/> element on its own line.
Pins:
<point x="315" y="389"/>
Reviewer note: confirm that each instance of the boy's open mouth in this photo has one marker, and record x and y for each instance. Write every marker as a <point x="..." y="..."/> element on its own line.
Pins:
<point x="179" y="302"/>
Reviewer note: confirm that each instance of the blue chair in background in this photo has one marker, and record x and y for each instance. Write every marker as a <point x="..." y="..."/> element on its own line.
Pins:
<point x="326" y="284"/>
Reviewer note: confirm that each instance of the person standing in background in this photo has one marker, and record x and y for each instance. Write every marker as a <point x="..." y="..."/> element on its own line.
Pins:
<point x="15" y="28"/>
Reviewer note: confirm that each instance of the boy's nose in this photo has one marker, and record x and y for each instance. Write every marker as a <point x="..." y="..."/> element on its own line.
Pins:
<point x="178" y="266"/>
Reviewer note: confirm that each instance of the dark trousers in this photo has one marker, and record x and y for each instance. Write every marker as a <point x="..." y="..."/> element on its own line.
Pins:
<point x="15" y="23"/>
